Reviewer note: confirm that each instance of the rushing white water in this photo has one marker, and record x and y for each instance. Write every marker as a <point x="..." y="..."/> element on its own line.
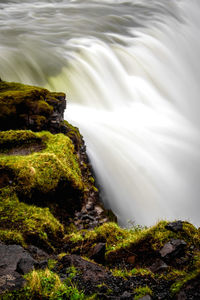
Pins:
<point x="131" y="72"/>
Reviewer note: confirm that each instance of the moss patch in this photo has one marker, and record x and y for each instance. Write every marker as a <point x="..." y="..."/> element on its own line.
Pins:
<point x="42" y="171"/>
<point x="27" y="224"/>
<point x="44" y="284"/>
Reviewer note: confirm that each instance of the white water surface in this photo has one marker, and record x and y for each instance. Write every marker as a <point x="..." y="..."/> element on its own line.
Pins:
<point x="131" y="70"/>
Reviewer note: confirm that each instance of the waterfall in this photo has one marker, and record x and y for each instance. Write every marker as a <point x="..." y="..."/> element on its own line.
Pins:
<point x="130" y="69"/>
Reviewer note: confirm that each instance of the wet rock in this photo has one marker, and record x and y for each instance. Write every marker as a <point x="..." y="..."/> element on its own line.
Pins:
<point x="159" y="265"/>
<point x="98" y="253"/>
<point x="175" y="226"/>
<point x="172" y="249"/>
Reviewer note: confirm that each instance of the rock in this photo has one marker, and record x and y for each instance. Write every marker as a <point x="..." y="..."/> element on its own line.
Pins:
<point x="98" y="253"/>
<point x="90" y="271"/>
<point x="175" y="226"/>
<point x="25" y="265"/>
<point x="191" y="289"/>
<point x="146" y="297"/>
<point x="11" y="281"/>
<point x="159" y="265"/>
<point x="172" y="249"/>
<point x="42" y="264"/>
<point x="182" y="296"/>
<point x="10" y="256"/>
<point x="37" y="253"/>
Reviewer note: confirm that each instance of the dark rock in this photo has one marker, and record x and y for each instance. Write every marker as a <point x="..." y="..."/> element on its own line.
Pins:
<point x="175" y="226"/>
<point x="9" y="258"/>
<point x="172" y="249"/>
<point x="11" y="281"/>
<point x="37" y="253"/>
<point x="86" y="217"/>
<point x="90" y="271"/>
<point x="126" y="295"/>
<point x="98" y="253"/>
<point x="146" y="297"/>
<point x="42" y="264"/>
<point x="159" y="265"/>
<point x="25" y="265"/>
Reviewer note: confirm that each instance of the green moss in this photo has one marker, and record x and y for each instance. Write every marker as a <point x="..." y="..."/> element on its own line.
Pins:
<point x="44" y="284"/>
<point x="51" y="263"/>
<point x="141" y="292"/>
<point x="121" y="273"/>
<point x="141" y="272"/>
<point x="11" y="138"/>
<point x="12" y="237"/>
<point x="28" y="223"/>
<point x="177" y="286"/>
<point x="110" y="233"/>
<point x="72" y="131"/>
<point x="153" y="239"/>
<point x="42" y="171"/>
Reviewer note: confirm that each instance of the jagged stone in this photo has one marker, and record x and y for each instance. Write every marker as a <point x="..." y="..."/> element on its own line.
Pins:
<point x="172" y="249"/>
<point x="175" y="226"/>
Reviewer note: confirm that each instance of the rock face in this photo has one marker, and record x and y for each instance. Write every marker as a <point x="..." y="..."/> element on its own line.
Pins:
<point x="48" y="170"/>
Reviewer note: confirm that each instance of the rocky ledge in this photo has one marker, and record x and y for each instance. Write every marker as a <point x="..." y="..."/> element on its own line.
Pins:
<point x="55" y="238"/>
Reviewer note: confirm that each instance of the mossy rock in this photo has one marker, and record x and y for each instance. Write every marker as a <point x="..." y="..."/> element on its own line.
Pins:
<point x="148" y="242"/>
<point x="41" y="171"/>
<point x="28" y="107"/>
<point x="43" y="186"/>
<point x="142" y="243"/>
<point x="45" y="284"/>
<point x="24" y="224"/>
